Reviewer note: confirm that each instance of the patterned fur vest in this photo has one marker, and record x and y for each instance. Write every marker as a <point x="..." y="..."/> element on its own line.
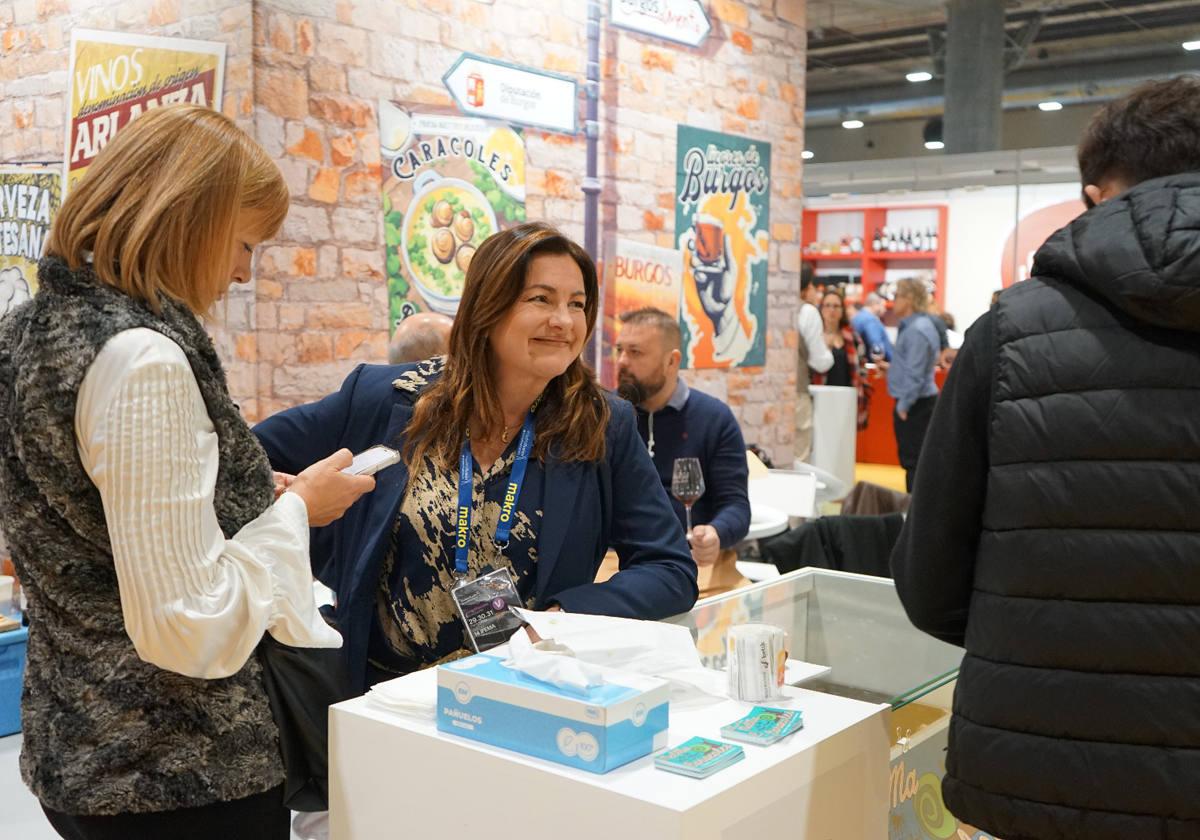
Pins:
<point x="106" y="732"/>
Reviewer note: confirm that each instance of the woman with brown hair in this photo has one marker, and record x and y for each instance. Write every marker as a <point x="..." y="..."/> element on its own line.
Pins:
<point x="146" y="527"/>
<point x="841" y="341"/>
<point x="517" y="467"/>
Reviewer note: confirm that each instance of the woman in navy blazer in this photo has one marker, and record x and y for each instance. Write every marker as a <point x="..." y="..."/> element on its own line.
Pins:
<point x="528" y="307"/>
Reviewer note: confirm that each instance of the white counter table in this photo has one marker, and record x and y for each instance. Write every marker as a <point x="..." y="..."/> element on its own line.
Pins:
<point x="876" y="723"/>
<point x="395" y="776"/>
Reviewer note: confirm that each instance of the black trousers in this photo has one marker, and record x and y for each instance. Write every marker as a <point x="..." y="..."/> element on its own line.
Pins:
<point x="910" y="434"/>
<point x="258" y="817"/>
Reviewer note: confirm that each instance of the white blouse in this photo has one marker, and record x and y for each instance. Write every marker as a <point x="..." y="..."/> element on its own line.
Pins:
<point x="193" y="601"/>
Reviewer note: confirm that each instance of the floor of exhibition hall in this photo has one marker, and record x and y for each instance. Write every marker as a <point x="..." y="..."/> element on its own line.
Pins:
<point x="23" y="817"/>
<point x="885" y="475"/>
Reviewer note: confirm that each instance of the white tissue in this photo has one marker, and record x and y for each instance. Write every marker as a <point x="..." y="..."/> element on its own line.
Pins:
<point x="651" y="648"/>
<point x="647" y="648"/>
<point x="552" y="662"/>
<point x="413" y="696"/>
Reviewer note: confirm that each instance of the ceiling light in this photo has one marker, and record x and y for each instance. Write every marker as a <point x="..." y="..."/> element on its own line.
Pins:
<point x="1050" y="105"/>
<point x="806" y="154"/>
<point x="934" y="145"/>
<point x="1191" y="46"/>
<point x="852" y="123"/>
<point x="919" y="76"/>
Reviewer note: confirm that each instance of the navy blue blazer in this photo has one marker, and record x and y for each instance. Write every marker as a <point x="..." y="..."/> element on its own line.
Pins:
<point x="618" y="502"/>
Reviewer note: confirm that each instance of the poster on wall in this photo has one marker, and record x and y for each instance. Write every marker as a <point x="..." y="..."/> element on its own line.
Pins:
<point x="636" y="275"/>
<point x="29" y="200"/>
<point x="449" y="182"/>
<point x="722" y="202"/>
<point x="115" y="77"/>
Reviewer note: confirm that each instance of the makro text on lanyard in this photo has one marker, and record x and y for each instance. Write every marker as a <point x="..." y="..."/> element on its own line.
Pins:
<point x="466" y="482"/>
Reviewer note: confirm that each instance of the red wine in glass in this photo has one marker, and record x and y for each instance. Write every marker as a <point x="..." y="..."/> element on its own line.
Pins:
<point x="687" y="485"/>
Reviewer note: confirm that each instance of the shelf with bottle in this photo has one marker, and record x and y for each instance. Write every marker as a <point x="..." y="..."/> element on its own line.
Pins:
<point x="926" y="256"/>
<point x="904" y="241"/>
<point x="895" y="239"/>
<point x="847" y="246"/>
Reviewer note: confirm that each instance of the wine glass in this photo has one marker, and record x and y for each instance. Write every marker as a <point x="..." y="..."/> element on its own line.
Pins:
<point x="876" y="352"/>
<point x="687" y="485"/>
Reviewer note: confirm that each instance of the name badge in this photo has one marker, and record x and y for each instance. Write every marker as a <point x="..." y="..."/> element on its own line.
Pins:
<point x="484" y="608"/>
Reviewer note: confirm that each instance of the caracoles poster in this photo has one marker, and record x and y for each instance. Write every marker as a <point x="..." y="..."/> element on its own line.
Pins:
<point x="29" y="201"/>
<point x="449" y="183"/>
<point x="722" y="218"/>
<point x="115" y="77"/>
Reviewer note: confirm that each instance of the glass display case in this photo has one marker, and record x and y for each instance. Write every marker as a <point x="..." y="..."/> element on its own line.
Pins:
<point x="855" y="626"/>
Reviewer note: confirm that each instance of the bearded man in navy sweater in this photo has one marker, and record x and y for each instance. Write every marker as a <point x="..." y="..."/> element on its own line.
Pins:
<point x="678" y="422"/>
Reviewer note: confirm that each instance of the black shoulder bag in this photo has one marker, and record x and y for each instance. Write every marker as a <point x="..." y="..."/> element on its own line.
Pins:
<point x="302" y="683"/>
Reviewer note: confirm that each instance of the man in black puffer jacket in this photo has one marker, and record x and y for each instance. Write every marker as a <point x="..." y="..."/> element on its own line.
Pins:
<point x="1055" y="529"/>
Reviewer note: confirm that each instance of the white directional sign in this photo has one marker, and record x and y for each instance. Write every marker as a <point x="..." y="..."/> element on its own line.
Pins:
<point x="486" y="87"/>
<point x="682" y="21"/>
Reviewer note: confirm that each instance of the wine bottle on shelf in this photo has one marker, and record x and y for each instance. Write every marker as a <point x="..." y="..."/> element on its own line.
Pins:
<point x="877" y="241"/>
<point x="893" y="243"/>
<point x="933" y="239"/>
<point x="918" y="241"/>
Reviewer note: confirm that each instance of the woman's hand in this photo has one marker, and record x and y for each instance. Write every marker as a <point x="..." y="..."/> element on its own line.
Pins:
<point x="327" y="491"/>
<point x="282" y="482"/>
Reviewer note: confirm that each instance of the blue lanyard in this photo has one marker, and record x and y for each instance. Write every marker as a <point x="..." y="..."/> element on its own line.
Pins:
<point x="466" y="481"/>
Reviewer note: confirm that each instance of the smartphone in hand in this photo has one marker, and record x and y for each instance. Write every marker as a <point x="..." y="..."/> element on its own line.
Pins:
<point x="371" y="461"/>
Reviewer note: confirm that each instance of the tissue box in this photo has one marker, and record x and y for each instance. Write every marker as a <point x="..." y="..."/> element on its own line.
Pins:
<point x="596" y="730"/>
<point x="12" y="669"/>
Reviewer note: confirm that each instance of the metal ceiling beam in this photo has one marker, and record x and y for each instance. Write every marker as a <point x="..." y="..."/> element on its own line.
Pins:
<point x="1018" y="42"/>
<point x="1060" y="81"/>
<point x="1054" y="28"/>
<point x="1075" y="13"/>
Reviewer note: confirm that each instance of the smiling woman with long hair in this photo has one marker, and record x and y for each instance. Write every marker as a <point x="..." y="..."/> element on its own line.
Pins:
<point x="514" y="379"/>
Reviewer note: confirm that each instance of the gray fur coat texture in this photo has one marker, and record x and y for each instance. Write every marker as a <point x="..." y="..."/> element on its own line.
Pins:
<point x="104" y="731"/>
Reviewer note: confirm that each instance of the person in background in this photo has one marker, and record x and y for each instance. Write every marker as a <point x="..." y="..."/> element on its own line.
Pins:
<point x="954" y="342"/>
<point x="1053" y="532"/>
<point x="910" y="375"/>
<point x="420" y="336"/>
<point x="842" y="342"/>
<point x="154" y="547"/>
<point x="761" y="454"/>
<point x="868" y="325"/>
<point x="514" y="380"/>
<point x="939" y="323"/>
<point x="676" y="421"/>
<point x="814" y="355"/>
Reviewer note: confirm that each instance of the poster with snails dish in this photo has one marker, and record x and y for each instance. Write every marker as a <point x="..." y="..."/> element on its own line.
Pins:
<point x="449" y="183"/>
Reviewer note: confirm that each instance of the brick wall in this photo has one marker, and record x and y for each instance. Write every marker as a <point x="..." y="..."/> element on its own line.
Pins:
<point x="35" y="44"/>
<point x="304" y="77"/>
